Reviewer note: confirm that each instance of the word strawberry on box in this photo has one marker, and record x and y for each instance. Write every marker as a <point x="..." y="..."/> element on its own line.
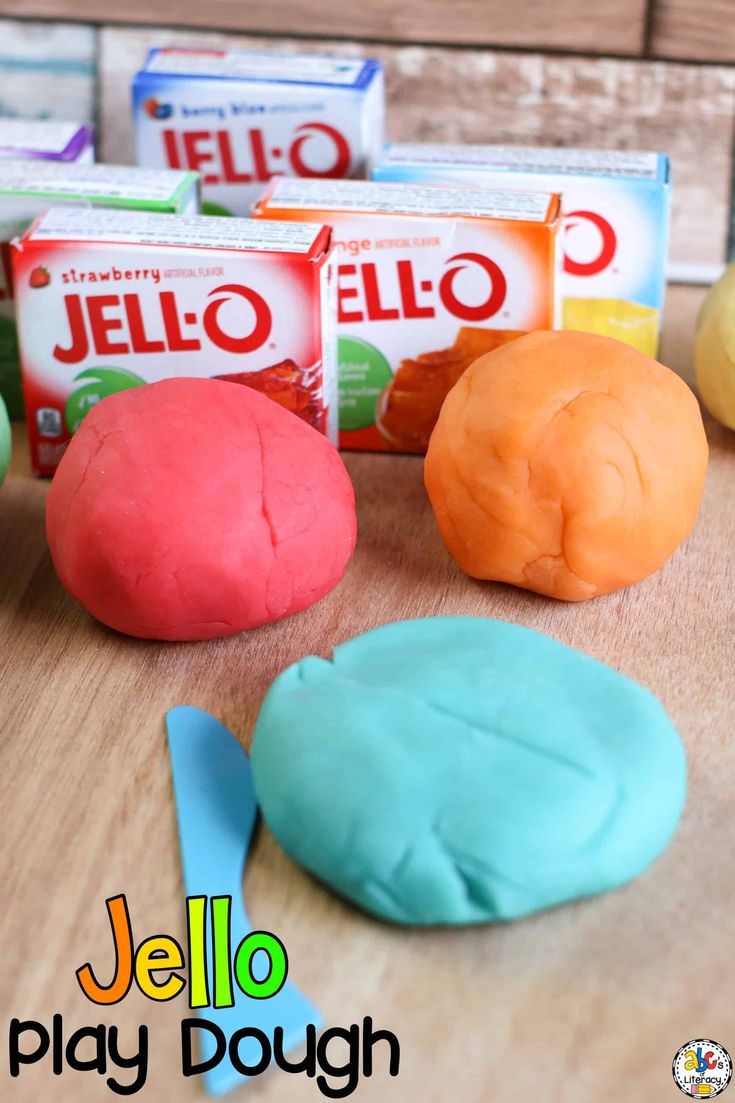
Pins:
<point x="239" y="118"/>
<point x="428" y="279"/>
<point x="29" y="187"/>
<point x="129" y="298"/>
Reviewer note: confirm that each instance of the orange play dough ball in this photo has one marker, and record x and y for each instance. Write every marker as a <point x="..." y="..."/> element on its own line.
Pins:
<point x="566" y="463"/>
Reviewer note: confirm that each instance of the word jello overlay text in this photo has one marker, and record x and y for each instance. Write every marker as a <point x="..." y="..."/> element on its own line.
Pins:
<point x="154" y="968"/>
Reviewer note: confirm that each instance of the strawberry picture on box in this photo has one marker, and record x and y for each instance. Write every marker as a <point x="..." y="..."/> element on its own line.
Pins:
<point x="39" y="277"/>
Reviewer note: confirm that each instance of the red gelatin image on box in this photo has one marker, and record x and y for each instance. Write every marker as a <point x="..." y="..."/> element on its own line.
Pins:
<point x="299" y="390"/>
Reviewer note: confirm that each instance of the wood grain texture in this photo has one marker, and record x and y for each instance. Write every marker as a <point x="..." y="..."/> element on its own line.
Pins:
<point x="611" y="26"/>
<point x="493" y="96"/>
<point x="550" y="1008"/>
<point x="694" y="29"/>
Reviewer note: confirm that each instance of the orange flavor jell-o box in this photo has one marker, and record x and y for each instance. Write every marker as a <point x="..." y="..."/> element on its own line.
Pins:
<point x="428" y="279"/>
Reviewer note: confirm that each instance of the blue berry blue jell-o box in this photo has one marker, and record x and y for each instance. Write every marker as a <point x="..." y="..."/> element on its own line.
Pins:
<point x="240" y="118"/>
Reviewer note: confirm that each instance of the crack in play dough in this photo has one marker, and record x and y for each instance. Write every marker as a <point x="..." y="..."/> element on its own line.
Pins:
<point x="264" y="505"/>
<point x="507" y="737"/>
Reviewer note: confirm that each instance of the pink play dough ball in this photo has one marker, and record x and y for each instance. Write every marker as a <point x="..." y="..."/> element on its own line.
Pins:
<point x="193" y="508"/>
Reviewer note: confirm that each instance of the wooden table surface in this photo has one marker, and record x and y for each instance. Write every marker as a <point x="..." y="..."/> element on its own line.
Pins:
<point x="588" y="1002"/>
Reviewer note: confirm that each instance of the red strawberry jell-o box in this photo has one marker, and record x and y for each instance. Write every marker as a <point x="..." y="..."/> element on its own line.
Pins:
<point x="109" y="300"/>
<point x="29" y="187"/>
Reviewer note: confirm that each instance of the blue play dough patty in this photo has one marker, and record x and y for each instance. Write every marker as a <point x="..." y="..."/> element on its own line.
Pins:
<point x="462" y="770"/>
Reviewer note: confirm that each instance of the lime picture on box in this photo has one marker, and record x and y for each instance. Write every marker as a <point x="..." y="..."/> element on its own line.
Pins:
<point x="240" y="118"/>
<point x="28" y="187"/>
<point x="131" y="297"/>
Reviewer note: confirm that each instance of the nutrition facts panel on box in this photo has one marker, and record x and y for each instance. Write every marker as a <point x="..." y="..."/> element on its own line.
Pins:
<point x="90" y="181"/>
<point x="244" y="66"/>
<point x="593" y="162"/>
<point x="373" y="198"/>
<point x="48" y="135"/>
<point x="135" y="227"/>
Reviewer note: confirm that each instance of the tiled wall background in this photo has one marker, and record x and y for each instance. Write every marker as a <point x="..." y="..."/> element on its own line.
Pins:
<point x="452" y="92"/>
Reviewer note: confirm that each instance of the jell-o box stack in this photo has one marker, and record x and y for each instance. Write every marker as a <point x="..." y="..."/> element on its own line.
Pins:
<point x="46" y="140"/>
<point x="428" y="279"/>
<point x="240" y="118"/>
<point x="115" y="299"/>
<point x="29" y="187"/>
<point x="616" y="220"/>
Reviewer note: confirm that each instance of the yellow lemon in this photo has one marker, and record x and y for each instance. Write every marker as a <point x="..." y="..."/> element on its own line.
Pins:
<point x="715" y="349"/>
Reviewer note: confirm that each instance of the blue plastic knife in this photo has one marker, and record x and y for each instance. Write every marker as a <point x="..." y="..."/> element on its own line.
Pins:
<point x="216" y="810"/>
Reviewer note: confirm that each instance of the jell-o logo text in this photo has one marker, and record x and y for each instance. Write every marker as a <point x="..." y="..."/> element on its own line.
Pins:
<point x="116" y="325"/>
<point x="604" y="255"/>
<point x="362" y="295"/>
<point x="245" y="157"/>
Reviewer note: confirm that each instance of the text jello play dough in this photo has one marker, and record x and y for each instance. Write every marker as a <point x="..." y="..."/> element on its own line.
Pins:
<point x="194" y="508"/>
<point x="459" y="770"/>
<point x="566" y="463"/>
<point x="715" y="350"/>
